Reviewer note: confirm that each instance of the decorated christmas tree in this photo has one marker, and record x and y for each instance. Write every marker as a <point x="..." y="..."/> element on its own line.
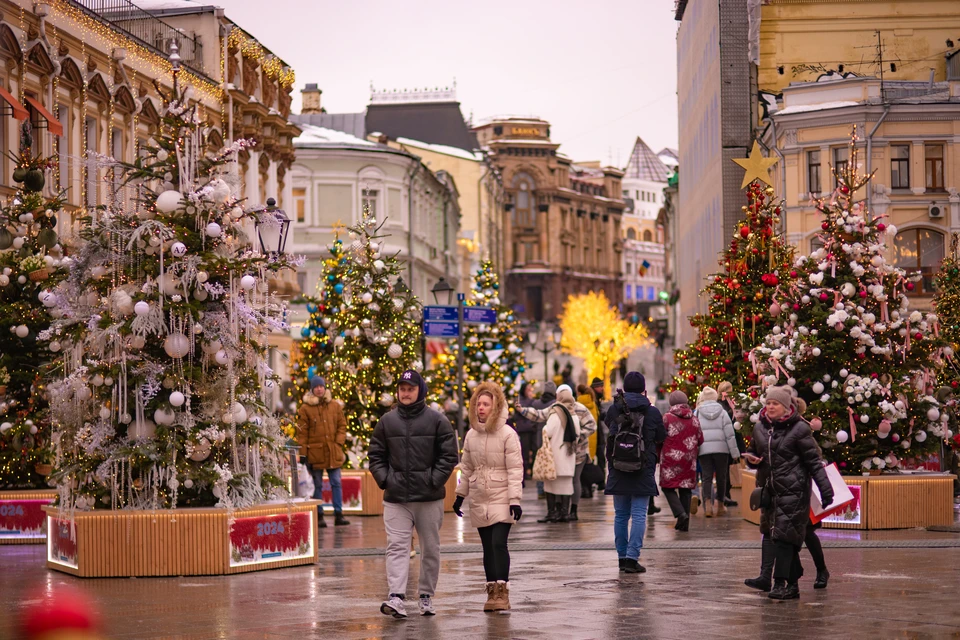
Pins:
<point x="376" y="335"/>
<point x="850" y="344"/>
<point x="946" y="302"/>
<point x="490" y="353"/>
<point x="742" y="298"/>
<point x="30" y="266"/>
<point x="316" y="346"/>
<point x="163" y="330"/>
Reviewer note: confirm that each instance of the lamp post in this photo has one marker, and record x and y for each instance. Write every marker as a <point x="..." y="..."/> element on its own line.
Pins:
<point x="551" y="342"/>
<point x="273" y="226"/>
<point x="611" y="347"/>
<point x="446" y="290"/>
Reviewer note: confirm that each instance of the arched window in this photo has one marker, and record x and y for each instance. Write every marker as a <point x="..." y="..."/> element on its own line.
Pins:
<point x="919" y="250"/>
<point x="647" y="236"/>
<point x="524" y="211"/>
<point x="631" y="234"/>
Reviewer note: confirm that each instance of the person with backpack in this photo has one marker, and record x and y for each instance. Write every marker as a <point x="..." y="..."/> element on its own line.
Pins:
<point x="563" y="431"/>
<point x="636" y="430"/>
<point x="719" y="445"/>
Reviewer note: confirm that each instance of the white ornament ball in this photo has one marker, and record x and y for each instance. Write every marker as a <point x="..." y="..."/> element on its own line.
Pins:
<point x="920" y="436"/>
<point x="142" y="308"/>
<point x="6" y="426"/>
<point x="213" y="230"/>
<point x="221" y="357"/>
<point x="54" y="346"/>
<point x="4" y="280"/>
<point x="378" y="265"/>
<point x="18" y="243"/>
<point x="394" y="351"/>
<point x="22" y="279"/>
<point x="367" y="297"/>
<point x="236" y="213"/>
<point x="248" y="282"/>
<point x="177" y="399"/>
<point x="842" y="436"/>
<point x="168" y="283"/>
<point x="164" y="416"/>
<point x="817" y="388"/>
<point x="864" y="418"/>
<point x="22" y="331"/>
<point x="138" y="342"/>
<point x="142" y="429"/>
<point x="792" y="382"/>
<point x="844" y="373"/>
<point x="178" y="249"/>
<point x="176" y="345"/>
<point x="168" y="201"/>
<point x="47" y="298"/>
<point x="933" y="414"/>
<point x="239" y="412"/>
<point x="816" y="351"/>
<point x="199" y="452"/>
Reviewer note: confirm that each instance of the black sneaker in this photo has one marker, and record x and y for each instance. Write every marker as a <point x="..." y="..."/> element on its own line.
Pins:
<point x="779" y="591"/>
<point x="623" y="564"/>
<point x="632" y="566"/>
<point x="321" y="522"/>
<point x="759" y="584"/>
<point x="339" y="520"/>
<point x="730" y="503"/>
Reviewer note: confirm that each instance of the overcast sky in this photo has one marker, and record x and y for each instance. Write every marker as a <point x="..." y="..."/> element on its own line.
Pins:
<point x="601" y="72"/>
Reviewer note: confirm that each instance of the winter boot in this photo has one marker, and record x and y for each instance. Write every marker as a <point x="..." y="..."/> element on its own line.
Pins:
<point x="502" y="596"/>
<point x="491" y="604"/>
<point x="339" y="520"/>
<point x="721" y="508"/>
<point x="652" y="508"/>
<point x="632" y="566"/>
<point x="694" y="504"/>
<point x="320" y="521"/>
<point x="822" y="576"/>
<point x="708" y="509"/>
<point x="683" y="523"/>
<point x="779" y="590"/>
<point x="573" y="513"/>
<point x="767" y="557"/>
<point x="551" y="509"/>
<point x="623" y="564"/>
<point x="563" y="513"/>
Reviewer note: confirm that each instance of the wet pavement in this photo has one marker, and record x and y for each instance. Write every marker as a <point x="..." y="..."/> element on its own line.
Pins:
<point x="565" y="584"/>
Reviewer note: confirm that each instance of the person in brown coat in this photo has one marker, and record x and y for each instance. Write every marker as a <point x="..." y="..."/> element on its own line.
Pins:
<point x="491" y="471"/>
<point x="321" y="433"/>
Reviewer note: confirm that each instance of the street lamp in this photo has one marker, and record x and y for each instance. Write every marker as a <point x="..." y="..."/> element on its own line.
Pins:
<point x="611" y="347"/>
<point x="551" y="342"/>
<point x="442" y="288"/>
<point x="273" y="225"/>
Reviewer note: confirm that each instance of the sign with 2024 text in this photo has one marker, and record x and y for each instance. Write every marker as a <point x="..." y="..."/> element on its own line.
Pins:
<point x="272" y="538"/>
<point x="62" y="542"/>
<point x="23" y="519"/>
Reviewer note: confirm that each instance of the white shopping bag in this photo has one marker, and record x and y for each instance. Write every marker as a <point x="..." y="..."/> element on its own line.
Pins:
<point x="842" y="495"/>
<point x="305" y="488"/>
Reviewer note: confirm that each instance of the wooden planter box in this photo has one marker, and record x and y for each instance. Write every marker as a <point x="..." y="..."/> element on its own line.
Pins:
<point x="182" y="542"/>
<point x="891" y="501"/>
<point x="22" y="520"/>
<point x="362" y="496"/>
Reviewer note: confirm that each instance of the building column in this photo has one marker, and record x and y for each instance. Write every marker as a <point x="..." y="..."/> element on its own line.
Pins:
<point x="273" y="184"/>
<point x="826" y="177"/>
<point x="252" y="178"/>
<point x="917" y="174"/>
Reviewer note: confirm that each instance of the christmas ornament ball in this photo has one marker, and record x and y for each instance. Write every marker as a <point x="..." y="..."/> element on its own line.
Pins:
<point x="248" y="282"/>
<point x="176" y="345"/>
<point x="168" y="201"/>
<point x="177" y="399"/>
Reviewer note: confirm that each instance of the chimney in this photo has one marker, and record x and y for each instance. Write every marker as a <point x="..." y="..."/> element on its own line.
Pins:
<point x="310" y="96"/>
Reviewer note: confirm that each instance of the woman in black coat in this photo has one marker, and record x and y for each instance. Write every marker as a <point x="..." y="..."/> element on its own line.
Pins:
<point x="786" y="457"/>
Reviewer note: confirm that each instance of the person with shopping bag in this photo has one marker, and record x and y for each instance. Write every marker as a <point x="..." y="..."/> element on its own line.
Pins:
<point x="491" y="476"/>
<point x="786" y="458"/>
<point x="556" y="461"/>
<point x="321" y="433"/>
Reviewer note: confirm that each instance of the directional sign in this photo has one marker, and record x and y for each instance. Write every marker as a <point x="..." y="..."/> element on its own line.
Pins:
<point x="441" y="329"/>
<point x="440" y="313"/>
<point x="479" y="315"/>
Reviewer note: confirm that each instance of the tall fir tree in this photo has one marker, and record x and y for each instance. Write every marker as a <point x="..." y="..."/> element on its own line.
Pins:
<point x="946" y="302"/>
<point x="164" y="325"/>
<point x="491" y="353"/>
<point x="30" y="266"/>
<point x="742" y="299"/>
<point x="376" y="335"/>
<point x="851" y="345"/>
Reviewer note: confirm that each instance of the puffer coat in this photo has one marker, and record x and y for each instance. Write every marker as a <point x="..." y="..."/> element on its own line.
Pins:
<point x="678" y="456"/>
<point x="588" y="426"/>
<point x="564" y="456"/>
<point x="718" y="434"/>
<point x="491" y="467"/>
<point x="321" y="431"/>
<point x="790" y="458"/>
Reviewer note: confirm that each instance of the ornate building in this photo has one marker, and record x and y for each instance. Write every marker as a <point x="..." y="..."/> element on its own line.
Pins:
<point x="562" y="224"/>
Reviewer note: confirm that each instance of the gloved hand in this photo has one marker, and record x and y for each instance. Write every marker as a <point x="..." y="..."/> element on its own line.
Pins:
<point x="303" y="459"/>
<point x="516" y="512"/>
<point x="456" y="506"/>
<point x="827" y="500"/>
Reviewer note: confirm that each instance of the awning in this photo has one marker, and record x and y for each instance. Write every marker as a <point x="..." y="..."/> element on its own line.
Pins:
<point x="53" y="125"/>
<point x="18" y="111"/>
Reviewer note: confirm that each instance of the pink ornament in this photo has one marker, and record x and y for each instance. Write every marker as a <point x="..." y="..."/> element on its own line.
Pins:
<point x="884" y="429"/>
<point x="863" y="293"/>
<point x="816" y="424"/>
<point x="910" y="286"/>
<point x="895" y="438"/>
<point x="774" y="309"/>
<point x="824" y="296"/>
<point x="796" y="306"/>
<point x="881" y="226"/>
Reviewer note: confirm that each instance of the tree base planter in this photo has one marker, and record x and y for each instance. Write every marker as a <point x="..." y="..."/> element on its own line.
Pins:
<point x="22" y="520"/>
<point x="888" y="501"/>
<point x="362" y="496"/>
<point x="182" y="542"/>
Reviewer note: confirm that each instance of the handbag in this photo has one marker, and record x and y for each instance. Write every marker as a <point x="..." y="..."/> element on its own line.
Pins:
<point x="544" y="467"/>
<point x="760" y="498"/>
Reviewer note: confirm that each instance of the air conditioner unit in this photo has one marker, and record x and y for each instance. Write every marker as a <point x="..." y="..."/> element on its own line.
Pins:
<point x="935" y="210"/>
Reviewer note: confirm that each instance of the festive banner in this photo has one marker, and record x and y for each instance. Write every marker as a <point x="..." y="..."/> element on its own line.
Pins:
<point x="23" y="518"/>
<point x="851" y="511"/>
<point x="265" y="539"/>
<point x="61" y="543"/>
<point x="352" y="493"/>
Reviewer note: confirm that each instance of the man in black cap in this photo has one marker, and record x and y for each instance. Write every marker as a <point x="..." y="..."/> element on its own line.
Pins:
<point x="603" y="405"/>
<point x="412" y="454"/>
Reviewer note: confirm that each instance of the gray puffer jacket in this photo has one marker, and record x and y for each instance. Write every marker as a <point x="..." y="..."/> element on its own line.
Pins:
<point x="718" y="436"/>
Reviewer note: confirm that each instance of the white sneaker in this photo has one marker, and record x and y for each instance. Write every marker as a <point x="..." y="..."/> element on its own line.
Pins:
<point x="394" y="607"/>
<point x="426" y="606"/>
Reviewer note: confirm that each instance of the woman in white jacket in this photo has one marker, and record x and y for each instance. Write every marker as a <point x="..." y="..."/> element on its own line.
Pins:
<point x="719" y="446"/>
<point x="563" y="429"/>
<point x="491" y="474"/>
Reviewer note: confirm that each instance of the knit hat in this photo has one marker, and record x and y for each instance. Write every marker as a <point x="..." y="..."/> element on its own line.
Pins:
<point x="780" y="395"/>
<point x="550" y="387"/>
<point x="596" y="382"/>
<point x="564" y="387"/>
<point x="677" y="397"/>
<point x="724" y="387"/>
<point x="317" y="381"/>
<point x="709" y="394"/>
<point x="634" y="382"/>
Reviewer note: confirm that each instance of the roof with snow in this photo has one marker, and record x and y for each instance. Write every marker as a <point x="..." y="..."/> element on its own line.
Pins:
<point x="320" y="138"/>
<point x="433" y="122"/>
<point x="476" y="156"/>
<point x="645" y="165"/>
<point x="171" y="7"/>
<point x="352" y="123"/>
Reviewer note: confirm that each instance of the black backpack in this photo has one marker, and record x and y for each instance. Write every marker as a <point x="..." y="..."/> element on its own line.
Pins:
<point x="628" y="450"/>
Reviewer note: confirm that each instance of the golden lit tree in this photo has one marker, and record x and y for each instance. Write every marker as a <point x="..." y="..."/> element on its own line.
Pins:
<point x="594" y="331"/>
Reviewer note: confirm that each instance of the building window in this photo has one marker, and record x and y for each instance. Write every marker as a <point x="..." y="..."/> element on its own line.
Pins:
<point x="647" y="236"/>
<point x="91" y="136"/>
<point x="529" y="253"/>
<point x="63" y="150"/>
<point x="369" y="201"/>
<point x="813" y="172"/>
<point x="631" y="234"/>
<point x="841" y="158"/>
<point x="535" y="303"/>
<point x="300" y="203"/>
<point x="524" y="211"/>
<point x="933" y="159"/>
<point x="919" y="250"/>
<point x="629" y="292"/>
<point x="116" y="149"/>
<point x="900" y="166"/>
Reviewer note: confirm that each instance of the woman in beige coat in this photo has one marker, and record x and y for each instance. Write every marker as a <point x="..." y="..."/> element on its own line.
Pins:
<point x="491" y="474"/>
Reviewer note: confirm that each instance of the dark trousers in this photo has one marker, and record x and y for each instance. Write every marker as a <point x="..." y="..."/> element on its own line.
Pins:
<point x="815" y="548"/>
<point x="726" y="482"/>
<point x="787" y="565"/>
<point x="496" y="557"/>
<point x="679" y="504"/>
<point x="714" y="464"/>
<point x="528" y="447"/>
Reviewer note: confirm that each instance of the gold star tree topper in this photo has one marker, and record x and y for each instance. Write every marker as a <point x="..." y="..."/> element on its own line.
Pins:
<point x="756" y="165"/>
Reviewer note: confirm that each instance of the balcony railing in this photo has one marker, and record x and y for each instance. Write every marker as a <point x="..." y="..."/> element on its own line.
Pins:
<point x="145" y="28"/>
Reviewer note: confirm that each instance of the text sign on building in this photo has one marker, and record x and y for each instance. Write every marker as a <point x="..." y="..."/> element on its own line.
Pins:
<point x="442" y="313"/>
<point x="524" y="131"/>
<point x="479" y="315"/>
<point x="441" y="329"/>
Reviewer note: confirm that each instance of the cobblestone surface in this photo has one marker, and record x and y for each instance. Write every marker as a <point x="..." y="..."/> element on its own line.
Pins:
<point x="565" y="584"/>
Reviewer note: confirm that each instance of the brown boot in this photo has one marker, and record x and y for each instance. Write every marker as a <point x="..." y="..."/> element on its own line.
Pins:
<point x="503" y="596"/>
<point x="491" y="604"/>
<point x="708" y="508"/>
<point x="721" y="508"/>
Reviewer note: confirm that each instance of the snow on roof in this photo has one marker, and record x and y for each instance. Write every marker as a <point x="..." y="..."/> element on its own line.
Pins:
<point x="319" y="136"/>
<point x="442" y="148"/>
<point x="171" y="5"/>
<point x="820" y="106"/>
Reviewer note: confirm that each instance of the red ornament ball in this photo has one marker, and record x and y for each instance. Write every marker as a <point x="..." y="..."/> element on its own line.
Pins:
<point x="793" y="274"/>
<point x="861" y="355"/>
<point x="881" y="226"/>
<point x="823" y="296"/>
<point x="825" y="225"/>
<point x="844" y="189"/>
<point x="753" y="393"/>
<point x="796" y="306"/>
<point x="918" y="336"/>
<point x="910" y="286"/>
<point x="744" y="232"/>
<point x="863" y="293"/>
<point x="692" y="378"/>
<point x="953" y="384"/>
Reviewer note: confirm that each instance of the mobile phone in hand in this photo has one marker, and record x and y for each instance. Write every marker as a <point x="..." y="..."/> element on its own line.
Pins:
<point x="752" y="459"/>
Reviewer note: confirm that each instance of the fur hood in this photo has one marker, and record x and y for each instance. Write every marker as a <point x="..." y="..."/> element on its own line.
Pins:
<point x="312" y="400"/>
<point x="498" y="417"/>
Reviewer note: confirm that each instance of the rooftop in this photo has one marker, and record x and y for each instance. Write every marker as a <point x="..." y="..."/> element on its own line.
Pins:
<point x="314" y="137"/>
<point x="433" y="122"/>
<point x="645" y="165"/>
<point x="352" y="123"/>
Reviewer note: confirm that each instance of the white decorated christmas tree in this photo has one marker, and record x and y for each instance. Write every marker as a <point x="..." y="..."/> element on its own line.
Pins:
<point x="163" y="326"/>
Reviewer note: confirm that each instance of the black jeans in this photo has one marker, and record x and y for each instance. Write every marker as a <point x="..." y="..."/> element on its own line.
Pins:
<point x="528" y="447"/>
<point x="714" y="464"/>
<point x="815" y="548"/>
<point x="679" y="505"/>
<point x="788" y="565"/>
<point x="496" y="558"/>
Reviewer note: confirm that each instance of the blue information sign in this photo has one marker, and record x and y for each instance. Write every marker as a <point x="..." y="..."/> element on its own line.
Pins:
<point x="440" y="313"/>
<point x="479" y="315"/>
<point x="441" y="329"/>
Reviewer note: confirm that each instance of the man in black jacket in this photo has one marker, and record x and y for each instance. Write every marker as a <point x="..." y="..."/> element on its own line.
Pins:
<point x="412" y="454"/>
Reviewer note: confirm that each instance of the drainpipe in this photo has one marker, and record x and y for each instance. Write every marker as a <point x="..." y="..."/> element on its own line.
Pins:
<point x="886" y="111"/>
<point x="413" y="174"/>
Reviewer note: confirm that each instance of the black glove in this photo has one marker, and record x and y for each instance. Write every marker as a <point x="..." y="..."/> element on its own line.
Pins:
<point x="516" y="512"/>
<point x="456" y="506"/>
<point x="827" y="500"/>
<point x="303" y="459"/>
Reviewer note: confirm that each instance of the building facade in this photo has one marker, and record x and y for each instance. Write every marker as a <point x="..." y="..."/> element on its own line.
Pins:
<point x="562" y="229"/>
